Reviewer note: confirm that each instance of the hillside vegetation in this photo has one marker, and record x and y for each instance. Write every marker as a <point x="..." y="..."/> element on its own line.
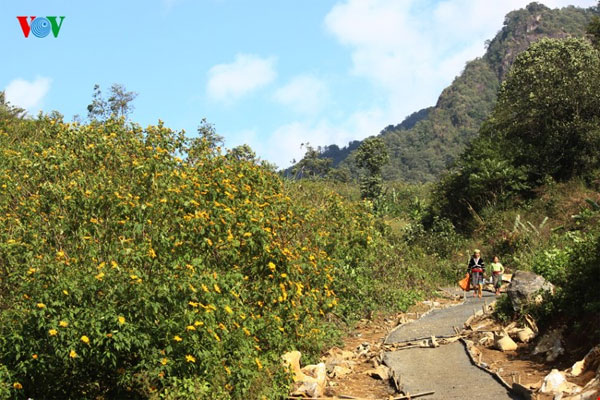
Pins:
<point x="137" y="263"/>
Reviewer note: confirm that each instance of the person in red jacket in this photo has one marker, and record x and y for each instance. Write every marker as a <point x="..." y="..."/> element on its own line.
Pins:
<point x="476" y="269"/>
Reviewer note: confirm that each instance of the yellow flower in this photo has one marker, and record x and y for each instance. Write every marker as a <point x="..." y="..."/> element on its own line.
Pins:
<point x="271" y="266"/>
<point x="113" y="264"/>
<point x="210" y="243"/>
<point x="198" y="323"/>
<point x="152" y="253"/>
<point x="52" y="332"/>
<point x="41" y="305"/>
<point x="190" y="328"/>
<point x="246" y="331"/>
<point x="17" y="386"/>
<point x="72" y="354"/>
<point x="34" y="356"/>
<point x="100" y="276"/>
<point x="247" y="234"/>
<point x="217" y="338"/>
<point x="85" y="339"/>
<point x="258" y="363"/>
<point x="217" y="288"/>
<point x="177" y="338"/>
<point x="190" y="358"/>
<point x="66" y="293"/>
<point x="63" y="324"/>
<point x="164" y="361"/>
<point x="228" y="310"/>
<point x="121" y="320"/>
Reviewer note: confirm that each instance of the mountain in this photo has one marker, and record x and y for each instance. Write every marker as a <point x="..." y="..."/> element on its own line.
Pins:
<point x="428" y="141"/>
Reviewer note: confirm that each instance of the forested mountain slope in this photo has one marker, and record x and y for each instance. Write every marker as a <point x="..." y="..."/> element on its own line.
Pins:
<point x="428" y="141"/>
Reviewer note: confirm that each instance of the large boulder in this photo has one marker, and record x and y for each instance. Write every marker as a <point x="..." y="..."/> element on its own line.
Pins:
<point x="525" y="287"/>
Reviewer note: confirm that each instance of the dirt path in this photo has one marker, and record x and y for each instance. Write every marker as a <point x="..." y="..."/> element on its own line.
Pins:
<point x="447" y="369"/>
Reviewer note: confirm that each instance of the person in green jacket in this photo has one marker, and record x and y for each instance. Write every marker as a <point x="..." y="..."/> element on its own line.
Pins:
<point x="497" y="271"/>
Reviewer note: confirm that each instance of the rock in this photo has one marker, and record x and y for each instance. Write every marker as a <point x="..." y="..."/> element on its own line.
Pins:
<point x="292" y="361"/>
<point x="504" y="343"/>
<point x="551" y="345"/>
<point x="578" y="368"/>
<point x="591" y="361"/>
<point x="554" y="382"/>
<point x="525" y="335"/>
<point x="314" y="381"/>
<point x="382" y="372"/>
<point x="337" y="353"/>
<point x="487" y="339"/>
<point x="362" y="349"/>
<point x="340" y="371"/>
<point x="525" y="286"/>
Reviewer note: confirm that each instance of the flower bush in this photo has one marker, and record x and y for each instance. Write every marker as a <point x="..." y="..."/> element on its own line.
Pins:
<point x="129" y="268"/>
<point x="137" y="263"/>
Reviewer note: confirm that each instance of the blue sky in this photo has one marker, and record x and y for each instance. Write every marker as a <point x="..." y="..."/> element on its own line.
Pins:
<point x="269" y="73"/>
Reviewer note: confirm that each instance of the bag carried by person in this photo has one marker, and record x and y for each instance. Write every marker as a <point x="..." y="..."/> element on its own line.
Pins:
<point x="464" y="283"/>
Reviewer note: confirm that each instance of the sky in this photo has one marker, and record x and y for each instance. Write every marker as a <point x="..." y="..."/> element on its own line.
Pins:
<point x="269" y="73"/>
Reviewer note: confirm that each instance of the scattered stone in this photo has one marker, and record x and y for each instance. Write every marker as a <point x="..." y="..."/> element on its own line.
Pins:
<point x="525" y="287"/>
<point x="578" y="368"/>
<point x="504" y="342"/>
<point x="525" y="335"/>
<point x="554" y="382"/>
<point x="337" y="353"/>
<point x="340" y="371"/>
<point x="590" y="361"/>
<point x="487" y="339"/>
<point x="531" y="323"/>
<point x="314" y="381"/>
<point x="551" y="345"/>
<point x="292" y="361"/>
<point x="381" y="372"/>
<point x="362" y="349"/>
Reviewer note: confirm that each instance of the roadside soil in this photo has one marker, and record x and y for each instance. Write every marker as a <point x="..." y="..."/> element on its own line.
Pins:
<point x="373" y="331"/>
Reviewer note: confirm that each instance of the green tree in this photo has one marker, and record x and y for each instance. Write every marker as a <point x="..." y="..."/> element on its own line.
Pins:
<point x="119" y="103"/>
<point x="371" y="156"/>
<point x="7" y="110"/>
<point x="312" y="165"/>
<point x="548" y="111"/>
<point x="593" y="29"/>
<point x="243" y="153"/>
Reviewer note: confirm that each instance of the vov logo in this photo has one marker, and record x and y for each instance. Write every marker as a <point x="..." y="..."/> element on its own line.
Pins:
<point x="40" y="26"/>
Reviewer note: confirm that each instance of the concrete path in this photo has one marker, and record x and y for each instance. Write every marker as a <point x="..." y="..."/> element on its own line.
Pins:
<point x="440" y="322"/>
<point x="447" y="369"/>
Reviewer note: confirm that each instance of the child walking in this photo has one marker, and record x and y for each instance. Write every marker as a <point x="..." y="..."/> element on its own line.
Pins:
<point x="497" y="271"/>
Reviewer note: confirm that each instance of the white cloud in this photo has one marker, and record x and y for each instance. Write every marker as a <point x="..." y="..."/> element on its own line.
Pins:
<point x="304" y="94"/>
<point x="283" y="145"/>
<point x="229" y="82"/>
<point x="28" y="95"/>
